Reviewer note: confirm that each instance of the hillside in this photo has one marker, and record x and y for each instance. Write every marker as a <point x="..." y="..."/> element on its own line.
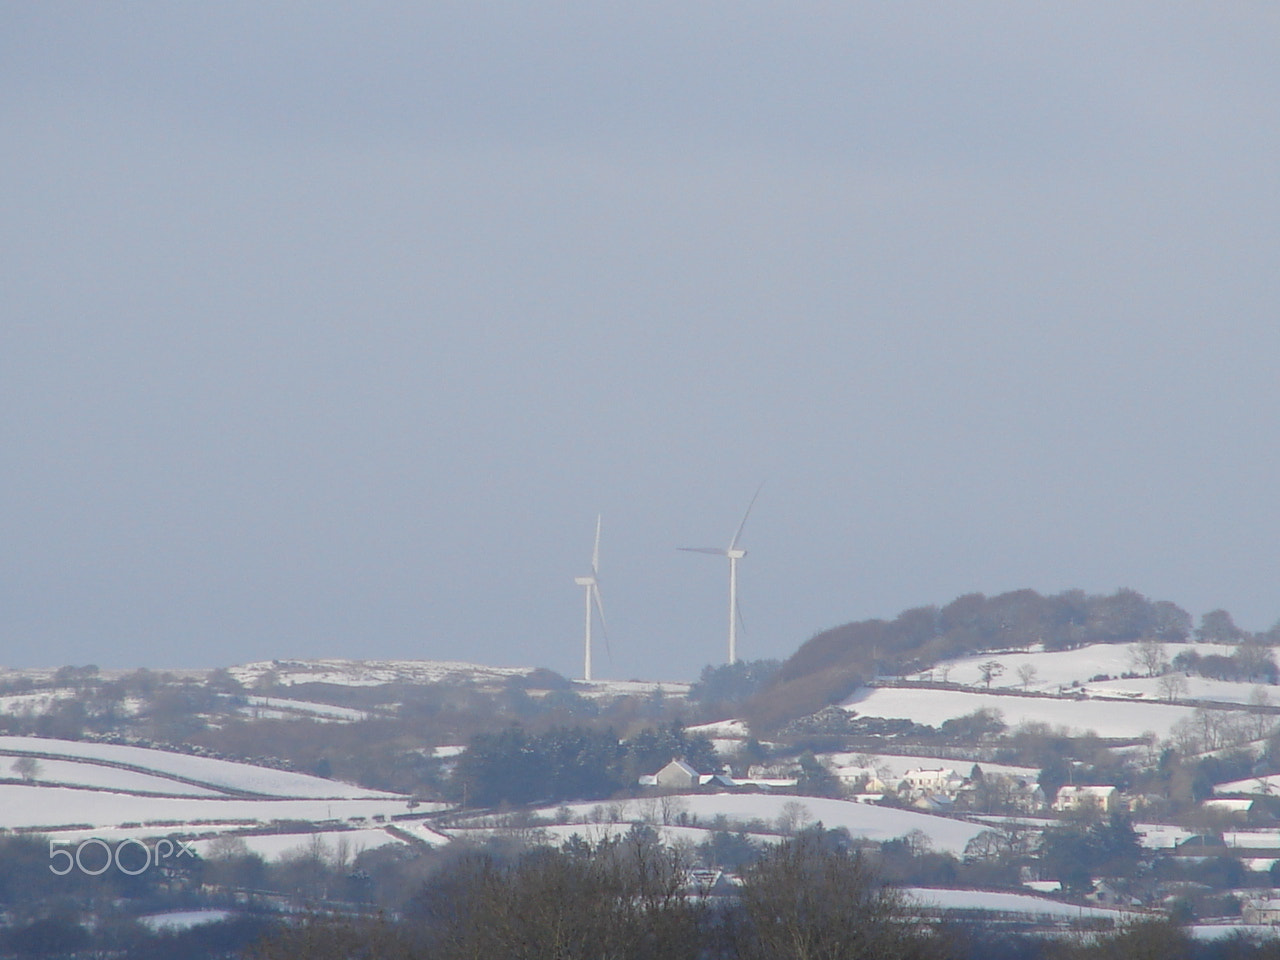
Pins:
<point x="828" y="667"/>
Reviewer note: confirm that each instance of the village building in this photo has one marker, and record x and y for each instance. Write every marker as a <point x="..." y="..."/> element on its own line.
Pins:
<point x="1100" y="797"/>
<point x="1265" y="912"/>
<point x="676" y="775"/>
<point x="919" y="781"/>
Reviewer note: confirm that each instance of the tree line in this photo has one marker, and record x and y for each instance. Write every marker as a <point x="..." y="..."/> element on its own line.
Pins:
<point x="515" y="766"/>
<point x="812" y="897"/>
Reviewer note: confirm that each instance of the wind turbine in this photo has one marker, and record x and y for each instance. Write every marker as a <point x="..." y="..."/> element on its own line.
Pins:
<point x="734" y="553"/>
<point x="592" y="592"/>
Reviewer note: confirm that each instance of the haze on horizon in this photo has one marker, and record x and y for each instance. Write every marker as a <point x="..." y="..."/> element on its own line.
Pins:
<point x="328" y="332"/>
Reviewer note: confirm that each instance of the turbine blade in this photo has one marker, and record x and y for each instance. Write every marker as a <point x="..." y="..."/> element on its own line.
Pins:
<point x="737" y="608"/>
<point x="734" y="542"/>
<point x="595" y="554"/>
<point x="604" y="627"/>
<point x="714" y="551"/>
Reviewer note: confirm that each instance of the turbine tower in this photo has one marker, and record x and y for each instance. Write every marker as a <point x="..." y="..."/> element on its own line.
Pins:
<point x="593" y="604"/>
<point x="734" y="553"/>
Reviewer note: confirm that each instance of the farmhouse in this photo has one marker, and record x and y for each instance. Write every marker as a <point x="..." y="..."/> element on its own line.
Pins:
<point x="1261" y="911"/>
<point x="1101" y="797"/>
<point x="676" y="775"/>
<point x="922" y="781"/>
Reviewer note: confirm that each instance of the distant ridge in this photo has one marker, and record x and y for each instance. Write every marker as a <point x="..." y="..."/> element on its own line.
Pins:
<point x="831" y="664"/>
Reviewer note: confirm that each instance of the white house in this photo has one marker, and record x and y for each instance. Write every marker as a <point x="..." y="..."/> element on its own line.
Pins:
<point x="1101" y="797"/>
<point x="1026" y="796"/>
<point x="942" y="781"/>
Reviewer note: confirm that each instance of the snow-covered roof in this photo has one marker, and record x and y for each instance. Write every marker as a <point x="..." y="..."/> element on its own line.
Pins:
<point x="1231" y="804"/>
<point x="1089" y="790"/>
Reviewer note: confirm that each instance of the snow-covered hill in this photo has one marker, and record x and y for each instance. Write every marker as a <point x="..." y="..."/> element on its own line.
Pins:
<point x="370" y="673"/>
<point x="860" y="819"/>
<point x="1105" y="718"/>
<point x="82" y="763"/>
<point x="77" y="790"/>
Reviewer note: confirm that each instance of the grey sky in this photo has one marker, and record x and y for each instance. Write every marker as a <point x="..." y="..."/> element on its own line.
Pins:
<point x="328" y="329"/>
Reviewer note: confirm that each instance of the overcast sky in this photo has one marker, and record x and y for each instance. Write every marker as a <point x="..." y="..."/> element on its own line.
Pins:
<point x="329" y="328"/>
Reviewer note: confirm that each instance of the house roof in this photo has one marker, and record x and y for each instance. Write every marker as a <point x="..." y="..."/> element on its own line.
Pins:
<point x="1092" y="790"/>
<point x="681" y="765"/>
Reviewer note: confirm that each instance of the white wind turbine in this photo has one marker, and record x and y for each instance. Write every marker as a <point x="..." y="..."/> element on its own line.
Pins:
<point x="734" y="553"/>
<point x="592" y="591"/>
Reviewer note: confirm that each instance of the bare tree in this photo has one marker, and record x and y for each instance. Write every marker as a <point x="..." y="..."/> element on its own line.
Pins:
<point x="28" y="768"/>
<point x="988" y="845"/>
<point x="625" y="899"/>
<point x="805" y="899"/>
<point x="1172" y="686"/>
<point x="792" y="816"/>
<point x="673" y="806"/>
<point x="1027" y="674"/>
<point x="990" y="670"/>
<point x="1261" y="719"/>
<point x="1148" y="656"/>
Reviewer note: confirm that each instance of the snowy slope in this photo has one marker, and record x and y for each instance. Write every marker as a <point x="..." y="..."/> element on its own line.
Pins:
<point x="207" y="771"/>
<point x="95" y="776"/>
<point x="860" y="819"/>
<point x="1001" y="902"/>
<point x="26" y="806"/>
<point x="896" y="766"/>
<point x="1195" y="688"/>
<point x="370" y="673"/>
<point x="261" y="706"/>
<point x="273" y="846"/>
<point x="1107" y="718"/>
<point x="1059" y="668"/>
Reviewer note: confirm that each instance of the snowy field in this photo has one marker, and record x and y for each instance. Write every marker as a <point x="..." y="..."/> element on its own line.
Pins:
<point x="208" y="771"/>
<point x="178" y="920"/>
<point x="260" y="706"/>
<point x="893" y="765"/>
<point x="630" y="688"/>
<point x="1259" y="839"/>
<point x="1000" y="902"/>
<point x="33" y="704"/>
<point x="555" y="834"/>
<point x="1104" y="717"/>
<point x="860" y="819"/>
<point x="274" y="846"/>
<point x="372" y="673"/>
<point x="95" y="776"/>
<point x="672" y="835"/>
<point x="1060" y="668"/>
<point x="1195" y="688"/>
<point x="25" y="806"/>
<point x="726" y="729"/>
<point x="1216" y="931"/>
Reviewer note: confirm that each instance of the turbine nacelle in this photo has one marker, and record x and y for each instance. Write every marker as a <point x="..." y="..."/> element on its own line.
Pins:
<point x="733" y="553"/>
